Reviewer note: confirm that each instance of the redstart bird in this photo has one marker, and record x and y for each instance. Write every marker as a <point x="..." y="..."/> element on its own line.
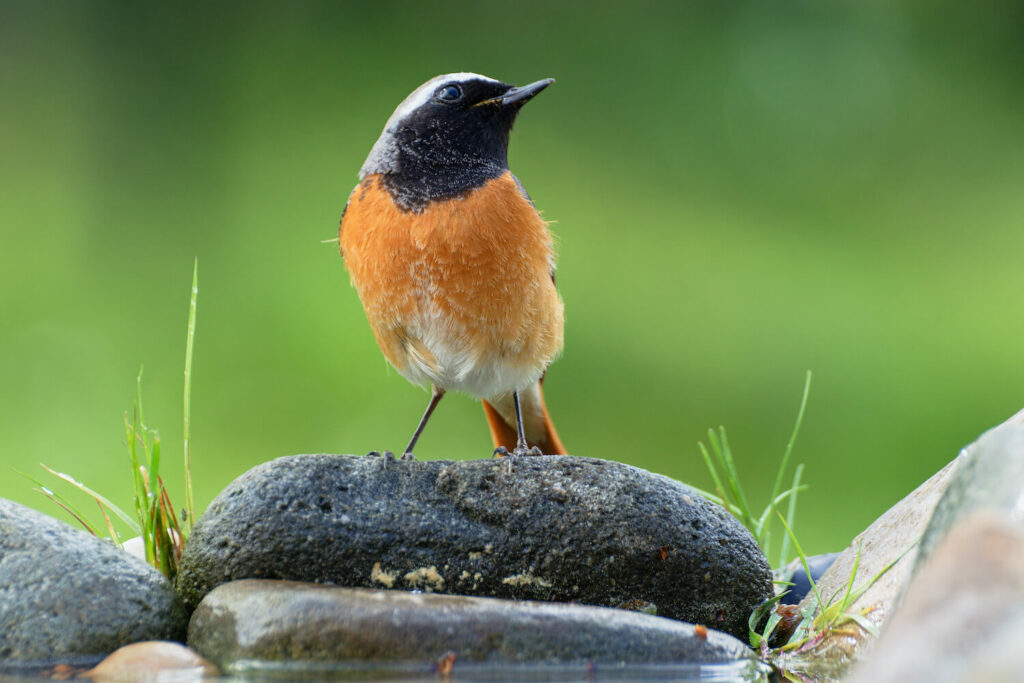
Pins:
<point x="453" y="264"/>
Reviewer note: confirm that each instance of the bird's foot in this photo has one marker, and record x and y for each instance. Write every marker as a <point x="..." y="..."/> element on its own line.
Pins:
<point x="377" y="454"/>
<point x="407" y="456"/>
<point x="518" y="451"/>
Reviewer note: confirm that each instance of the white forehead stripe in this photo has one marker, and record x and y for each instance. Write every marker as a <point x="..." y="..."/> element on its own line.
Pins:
<point x="422" y="94"/>
<point x="382" y="154"/>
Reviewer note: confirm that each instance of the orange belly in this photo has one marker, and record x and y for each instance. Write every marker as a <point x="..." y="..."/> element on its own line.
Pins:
<point x="459" y="294"/>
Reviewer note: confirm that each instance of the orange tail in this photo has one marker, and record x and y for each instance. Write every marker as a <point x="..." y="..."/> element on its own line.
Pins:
<point x="540" y="431"/>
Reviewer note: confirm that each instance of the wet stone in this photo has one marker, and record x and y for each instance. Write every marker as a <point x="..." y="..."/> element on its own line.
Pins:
<point x="552" y="528"/>
<point x="257" y="622"/>
<point x="152" y="660"/>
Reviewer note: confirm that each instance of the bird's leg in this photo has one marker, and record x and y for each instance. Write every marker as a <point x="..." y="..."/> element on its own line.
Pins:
<point x="435" y="398"/>
<point x="522" y="448"/>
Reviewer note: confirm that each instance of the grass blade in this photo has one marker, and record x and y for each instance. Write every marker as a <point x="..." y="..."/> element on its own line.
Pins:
<point x="763" y="519"/>
<point x="190" y="339"/>
<point x="110" y="527"/>
<point x="67" y="508"/>
<point x="59" y="500"/>
<point x="714" y="475"/>
<point x="803" y="559"/>
<point x="792" y="437"/>
<point x="125" y="517"/>
<point x="863" y="622"/>
<point x="790" y="514"/>
<point x="732" y="476"/>
<point x="853" y="574"/>
<point x="764" y="609"/>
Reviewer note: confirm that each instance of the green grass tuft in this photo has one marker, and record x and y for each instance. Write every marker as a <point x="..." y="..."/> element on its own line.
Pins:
<point x="821" y="616"/>
<point x="154" y="520"/>
<point x="722" y="468"/>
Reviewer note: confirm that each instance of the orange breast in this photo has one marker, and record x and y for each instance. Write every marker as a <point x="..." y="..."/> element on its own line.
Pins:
<point x="459" y="294"/>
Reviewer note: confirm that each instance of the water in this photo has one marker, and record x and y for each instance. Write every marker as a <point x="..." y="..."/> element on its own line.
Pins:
<point x="275" y="672"/>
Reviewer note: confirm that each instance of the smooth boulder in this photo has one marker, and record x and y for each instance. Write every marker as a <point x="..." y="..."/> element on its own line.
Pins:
<point x="987" y="476"/>
<point x="963" y="615"/>
<point x="890" y="540"/>
<point x="67" y="595"/>
<point x="152" y="660"/>
<point x="554" y="528"/>
<point x="294" y="626"/>
<point x="990" y="476"/>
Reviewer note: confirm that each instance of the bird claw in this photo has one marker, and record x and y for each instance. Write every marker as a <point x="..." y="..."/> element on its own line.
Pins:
<point x="377" y="454"/>
<point x="407" y="456"/>
<point x="519" y="451"/>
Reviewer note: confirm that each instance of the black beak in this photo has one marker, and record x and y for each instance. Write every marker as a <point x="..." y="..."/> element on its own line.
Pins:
<point x="524" y="94"/>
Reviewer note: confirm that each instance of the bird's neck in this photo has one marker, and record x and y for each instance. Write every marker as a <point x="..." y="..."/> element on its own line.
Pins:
<point x="427" y="174"/>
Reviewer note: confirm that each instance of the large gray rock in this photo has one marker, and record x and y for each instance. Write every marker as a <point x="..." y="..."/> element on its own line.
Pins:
<point x="554" y="528"/>
<point x="66" y="594"/>
<point x="891" y="538"/>
<point x="990" y="476"/>
<point x="962" y="618"/>
<point x="299" y="624"/>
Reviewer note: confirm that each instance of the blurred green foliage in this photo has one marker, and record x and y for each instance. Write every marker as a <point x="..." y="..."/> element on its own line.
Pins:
<point x="741" y="191"/>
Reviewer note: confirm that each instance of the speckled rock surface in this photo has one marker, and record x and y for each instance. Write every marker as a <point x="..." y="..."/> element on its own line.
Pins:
<point x="556" y="528"/>
<point x="65" y="594"/>
<point x="299" y="623"/>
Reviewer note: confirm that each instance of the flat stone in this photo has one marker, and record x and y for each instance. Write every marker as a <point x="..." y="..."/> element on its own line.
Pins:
<point x="253" y="624"/>
<point x="962" y="618"/>
<point x="67" y="595"/>
<point x="554" y="528"/>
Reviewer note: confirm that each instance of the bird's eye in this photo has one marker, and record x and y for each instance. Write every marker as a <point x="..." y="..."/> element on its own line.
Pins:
<point x="449" y="93"/>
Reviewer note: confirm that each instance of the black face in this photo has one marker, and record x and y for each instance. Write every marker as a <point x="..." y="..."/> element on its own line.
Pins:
<point x="463" y="123"/>
<point x="454" y="142"/>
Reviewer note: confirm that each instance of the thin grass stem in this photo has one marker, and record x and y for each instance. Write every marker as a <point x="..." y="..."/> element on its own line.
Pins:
<point x="189" y="341"/>
<point x="791" y="514"/>
<point x="792" y="437"/>
<point x="99" y="498"/>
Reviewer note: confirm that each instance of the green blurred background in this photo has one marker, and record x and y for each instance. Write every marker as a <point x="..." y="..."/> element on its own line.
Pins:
<point x="741" y="191"/>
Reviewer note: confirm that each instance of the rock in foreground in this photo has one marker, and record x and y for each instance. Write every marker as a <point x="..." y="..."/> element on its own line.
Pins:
<point x="555" y="528"/>
<point x="296" y="623"/>
<point x="892" y="538"/>
<point x="987" y="476"/>
<point x="65" y="594"/>
<point x="963" y="615"/>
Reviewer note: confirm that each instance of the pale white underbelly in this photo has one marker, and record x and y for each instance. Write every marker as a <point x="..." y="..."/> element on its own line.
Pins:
<point x="453" y="362"/>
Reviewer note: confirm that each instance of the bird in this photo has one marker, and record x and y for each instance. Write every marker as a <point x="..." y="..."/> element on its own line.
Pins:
<point x="453" y="264"/>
